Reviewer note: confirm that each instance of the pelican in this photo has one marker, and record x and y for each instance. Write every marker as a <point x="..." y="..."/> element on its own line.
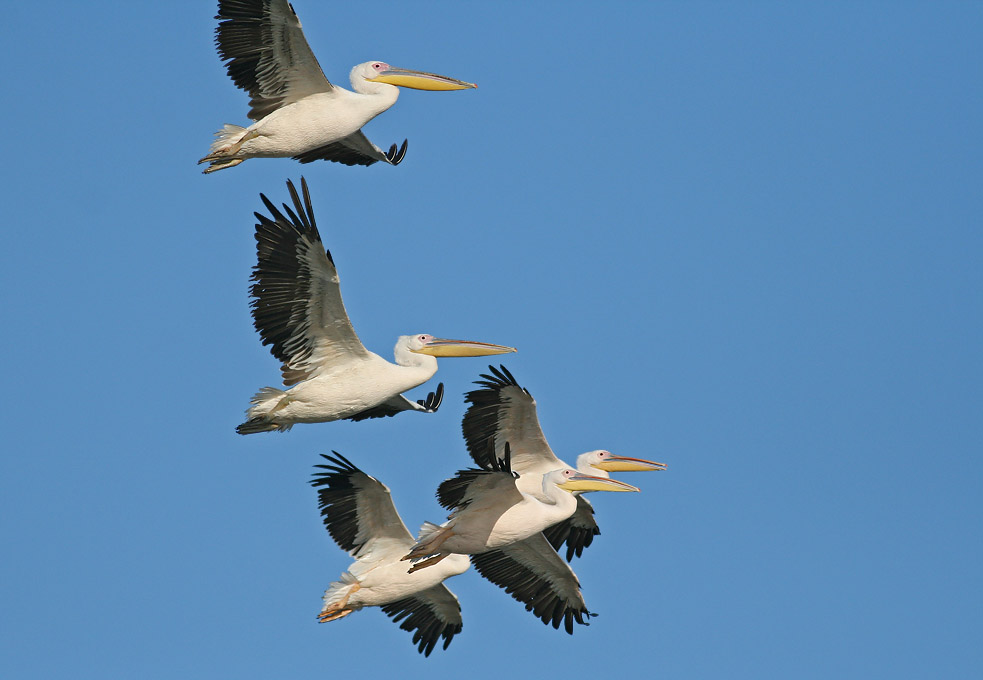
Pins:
<point x="297" y="309"/>
<point x="297" y="112"/>
<point x="503" y="411"/>
<point x="359" y="514"/>
<point x="501" y="527"/>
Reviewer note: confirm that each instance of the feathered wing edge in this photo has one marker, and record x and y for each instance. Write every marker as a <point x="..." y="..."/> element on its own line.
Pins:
<point x="577" y="531"/>
<point x="421" y="614"/>
<point x="533" y="574"/>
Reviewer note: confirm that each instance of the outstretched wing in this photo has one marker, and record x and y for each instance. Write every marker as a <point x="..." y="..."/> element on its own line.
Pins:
<point x="577" y="531"/>
<point x="296" y="300"/>
<point x="400" y="403"/>
<point x="358" y="511"/>
<point x="355" y="149"/>
<point x="267" y="54"/>
<point x="494" y="487"/>
<point x="503" y="411"/>
<point x="532" y="573"/>
<point x="431" y="614"/>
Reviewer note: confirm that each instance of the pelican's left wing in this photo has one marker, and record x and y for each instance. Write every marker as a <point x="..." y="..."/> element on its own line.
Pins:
<point x="577" y="531"/>
<point x="358" y="511"/>
<point x="355" y="149"/>
<point x="399" y="403"/>
<point x="503" y="411"/>
<point x="267" y="54"/>
<point x="532" y="573"/>
<point x="431" y="614"/>
<point x="296" y="300"/>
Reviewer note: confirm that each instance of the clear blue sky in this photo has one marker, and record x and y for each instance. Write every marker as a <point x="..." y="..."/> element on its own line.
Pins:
<point x="742" y="239"/>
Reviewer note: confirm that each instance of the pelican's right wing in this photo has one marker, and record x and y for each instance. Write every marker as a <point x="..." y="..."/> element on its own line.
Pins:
<point x="267" y="54"/>
<point x="296" y="300"/>
<point x="532" y="573"/>
<point x="431" y="614"/>
<point x="577" y="531"/>
<point x="355" y="149"/>
<point x="358" y="511"/>
<point x="502" y="411"/>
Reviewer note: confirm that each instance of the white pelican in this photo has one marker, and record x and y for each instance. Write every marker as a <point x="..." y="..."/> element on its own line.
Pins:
<point x="298" y="113"/>
<point x="359" y="514"/>
<point x="503" y="411"/>
<point x="501" y="528"/>
<point x="297" y="309"/>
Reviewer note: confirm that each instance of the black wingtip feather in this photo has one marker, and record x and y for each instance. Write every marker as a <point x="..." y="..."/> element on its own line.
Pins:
<point x="433" y="400"/>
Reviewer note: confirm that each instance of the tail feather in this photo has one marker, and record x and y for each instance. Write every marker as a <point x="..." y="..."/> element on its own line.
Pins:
<point x="427" y="531"/>
<point x="228" y="135"/>
<point x="430" y="534"/>
<point x="259" y="416"/>
<point x="265" y="394"/>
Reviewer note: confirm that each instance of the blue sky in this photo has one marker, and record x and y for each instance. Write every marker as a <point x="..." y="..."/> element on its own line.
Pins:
<point x="742" y="239"/>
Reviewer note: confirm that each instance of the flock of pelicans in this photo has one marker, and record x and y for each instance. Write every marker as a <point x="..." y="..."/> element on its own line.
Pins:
<point x="508" y="516"/>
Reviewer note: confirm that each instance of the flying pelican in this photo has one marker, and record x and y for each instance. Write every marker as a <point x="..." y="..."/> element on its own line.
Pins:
<point x="298" y="113"/>
<point x="359" y="514"/>
<point x="501" y="528"/>
<point x="297" y="309"/>
<point x="503" y="411"/>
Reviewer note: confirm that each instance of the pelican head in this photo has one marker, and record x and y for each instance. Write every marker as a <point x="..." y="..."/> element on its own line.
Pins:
<point x="607" y="461"/>
<point x="571" y="480"/>
<point x="381" y="72"/>
<point x="441" y="347"/>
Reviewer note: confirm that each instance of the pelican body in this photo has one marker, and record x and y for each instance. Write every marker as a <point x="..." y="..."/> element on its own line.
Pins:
<point x="297" y="112"/>
<point x="297" y="309"/>
<point x="358" y="512"/>
<point x="503" y="412"/>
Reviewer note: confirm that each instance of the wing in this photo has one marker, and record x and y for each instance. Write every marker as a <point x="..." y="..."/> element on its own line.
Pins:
<point x="482" y="487"/>
<point x="577" y="531"/>
<point x="432" y="614"/>
<point x="296" y="301"/>
<point x="355" y="149"/>
<point x="267" y="54"/>
<point x="400" y="403"/>
<point x="532" y="573"/>
<point x="357" y="510"/>
<point x="501" y="412"/>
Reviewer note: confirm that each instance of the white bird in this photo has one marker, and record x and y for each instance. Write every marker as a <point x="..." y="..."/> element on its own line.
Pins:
<point x="298" y="113"/>
<point x="297" y="309"/>
<point x="504" y="412"/>
<point x="359" y="514"/>
<point x="501" y="528"/>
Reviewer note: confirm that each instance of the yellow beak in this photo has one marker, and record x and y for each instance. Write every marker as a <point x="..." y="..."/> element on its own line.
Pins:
<point x="440" y="347"/>
<point x="625" y="464"/>
<point x="582" y="482"/>
<point x="420" y="80"/>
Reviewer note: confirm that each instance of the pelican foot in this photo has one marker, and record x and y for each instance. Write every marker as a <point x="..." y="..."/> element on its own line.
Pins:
<point x="333" y="614"/>
<point x="417" y="566"/>
<point x="222" y="165"/>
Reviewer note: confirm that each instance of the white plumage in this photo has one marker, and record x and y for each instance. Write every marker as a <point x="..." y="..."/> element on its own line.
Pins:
<point x="503" y="413"/>
<point x="501" y="528"/>
<point x="297" y="309"/>
<point x="297" y="112"/>
<point x="359" y="514"/>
